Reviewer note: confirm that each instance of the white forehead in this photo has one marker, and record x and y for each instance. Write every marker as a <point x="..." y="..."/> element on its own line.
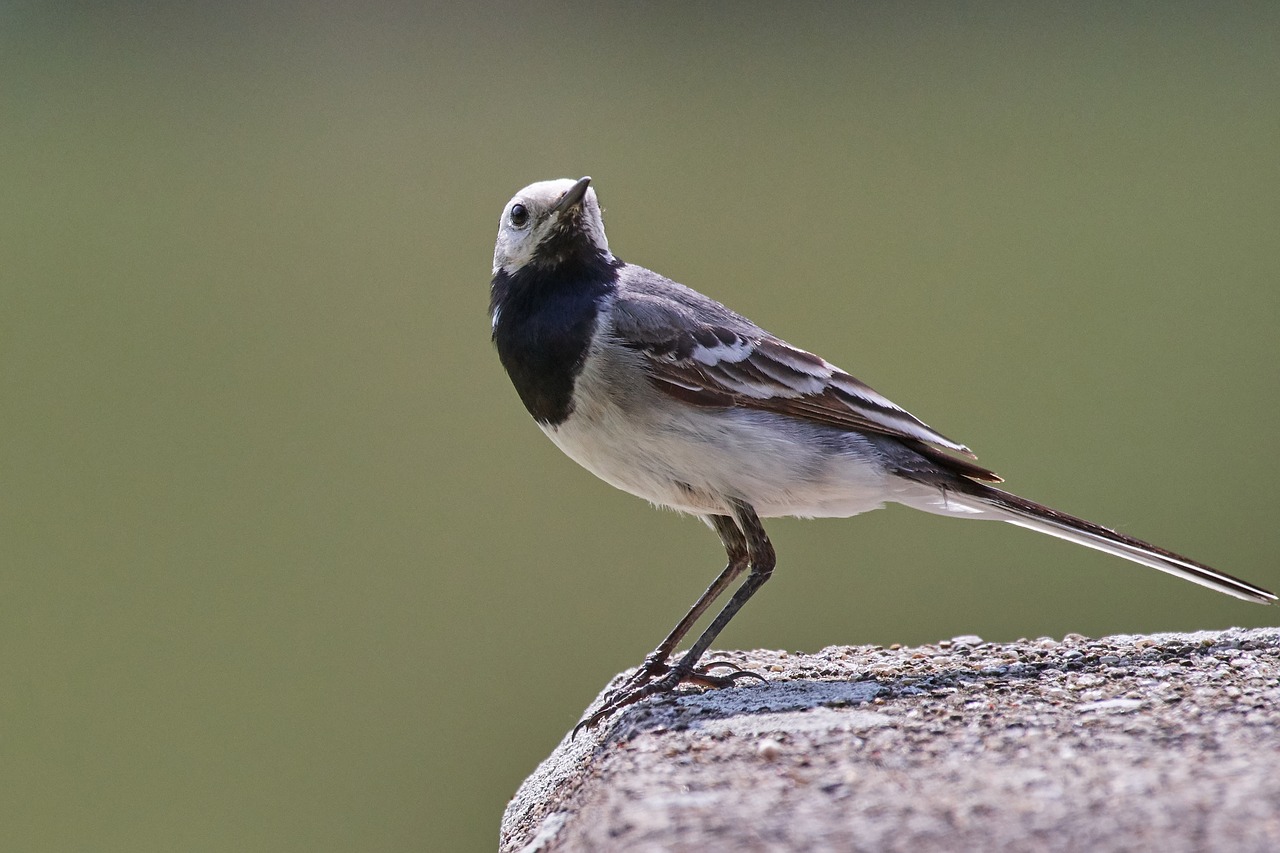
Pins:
<point x="516" y="247"/>
<point x="543" y="194"/>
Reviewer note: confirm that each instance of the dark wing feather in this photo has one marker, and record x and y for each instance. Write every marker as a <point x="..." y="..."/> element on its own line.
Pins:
<point x="729" y="361"/>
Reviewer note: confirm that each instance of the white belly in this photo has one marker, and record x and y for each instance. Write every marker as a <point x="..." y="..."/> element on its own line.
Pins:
<point x="692" y="459"/>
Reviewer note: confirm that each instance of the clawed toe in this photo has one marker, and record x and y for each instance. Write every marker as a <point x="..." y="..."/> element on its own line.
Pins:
<point x="636" y="688"/>
<point x="645" y="682"/>
<point x="728" y="679"/>
<point x="703" y="678"/>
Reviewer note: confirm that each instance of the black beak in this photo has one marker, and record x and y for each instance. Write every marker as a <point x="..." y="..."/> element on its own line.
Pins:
<point x="572" y="196"/>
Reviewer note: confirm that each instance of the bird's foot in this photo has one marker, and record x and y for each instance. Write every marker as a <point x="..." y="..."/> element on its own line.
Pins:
<point x="655" y="677"/>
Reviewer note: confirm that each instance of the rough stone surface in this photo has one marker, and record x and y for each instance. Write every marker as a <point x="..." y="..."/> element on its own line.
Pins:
<point x="1167" y="742"/>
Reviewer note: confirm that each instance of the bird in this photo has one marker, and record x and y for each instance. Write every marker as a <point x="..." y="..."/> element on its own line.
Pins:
<point x="669" y="395"/>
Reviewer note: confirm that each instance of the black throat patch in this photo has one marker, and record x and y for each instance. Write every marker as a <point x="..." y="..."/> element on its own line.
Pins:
<point x="545" y="317"/>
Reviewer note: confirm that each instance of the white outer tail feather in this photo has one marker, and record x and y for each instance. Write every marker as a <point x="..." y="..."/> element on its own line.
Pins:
<point x="982" y="501"/>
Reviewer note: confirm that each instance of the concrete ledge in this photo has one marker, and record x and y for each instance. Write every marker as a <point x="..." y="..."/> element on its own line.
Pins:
<point x="1167" y="742"/>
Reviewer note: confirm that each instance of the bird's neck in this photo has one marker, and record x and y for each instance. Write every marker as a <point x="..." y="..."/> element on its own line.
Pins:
<point x="543" y="321"/>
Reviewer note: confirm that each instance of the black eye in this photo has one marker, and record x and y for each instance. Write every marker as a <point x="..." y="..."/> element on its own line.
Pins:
<point x="519" y="215"/>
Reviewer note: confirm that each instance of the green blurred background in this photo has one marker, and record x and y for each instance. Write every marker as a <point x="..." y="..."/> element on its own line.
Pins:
<point x="286" y="566"/>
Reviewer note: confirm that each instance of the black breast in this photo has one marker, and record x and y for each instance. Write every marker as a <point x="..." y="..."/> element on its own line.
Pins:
<point x="545" y="320"/>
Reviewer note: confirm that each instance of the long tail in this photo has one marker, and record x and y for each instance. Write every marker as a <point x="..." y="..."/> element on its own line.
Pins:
<point x="986" y="501"/>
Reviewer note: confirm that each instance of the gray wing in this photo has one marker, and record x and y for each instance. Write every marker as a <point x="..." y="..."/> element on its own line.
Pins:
<point x="700" y="352"/>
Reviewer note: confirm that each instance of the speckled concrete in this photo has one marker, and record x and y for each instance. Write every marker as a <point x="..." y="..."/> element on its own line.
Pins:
<point x="1167" y="742"/>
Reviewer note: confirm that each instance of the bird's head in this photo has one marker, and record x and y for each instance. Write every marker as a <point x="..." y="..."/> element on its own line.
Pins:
<point x="548" y="224"/>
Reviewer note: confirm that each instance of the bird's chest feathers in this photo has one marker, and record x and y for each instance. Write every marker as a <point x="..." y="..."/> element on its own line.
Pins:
<point x="542" y="330"/>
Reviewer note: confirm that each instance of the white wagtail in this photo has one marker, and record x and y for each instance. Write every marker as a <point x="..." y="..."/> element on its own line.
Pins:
<point x="669" y="395"/>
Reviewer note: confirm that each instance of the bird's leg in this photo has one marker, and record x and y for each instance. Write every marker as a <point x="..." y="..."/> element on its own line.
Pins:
<point x="762" y="559"/>
<point x="735" y="545"/>
<point x="746" y="544"/>
<point x="655" y="663"/>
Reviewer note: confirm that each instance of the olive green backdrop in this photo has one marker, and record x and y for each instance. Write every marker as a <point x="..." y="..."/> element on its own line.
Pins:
<point x="286" y="566"/>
